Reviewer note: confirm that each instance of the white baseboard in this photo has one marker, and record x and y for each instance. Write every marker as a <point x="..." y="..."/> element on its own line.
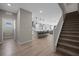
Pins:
<point x="25" y="42"/>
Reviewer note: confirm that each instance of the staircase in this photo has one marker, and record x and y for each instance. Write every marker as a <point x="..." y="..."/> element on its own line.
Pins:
<point x="68" y="44"/>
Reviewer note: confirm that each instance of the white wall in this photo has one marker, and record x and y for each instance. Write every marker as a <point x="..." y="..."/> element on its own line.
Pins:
<point x="51" y="13"/>
<point x="57" y="30"/>
<point x="56" y="14"/>
<point x="24" y="26"/>
<point x="0" y="26"/>
<point x="70" y="7"/>
<point x="57" y="27"/>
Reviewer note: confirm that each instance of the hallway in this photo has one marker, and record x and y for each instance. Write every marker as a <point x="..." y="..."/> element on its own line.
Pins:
<point x="19" y="23"/>
<point x="38" y="47"/>
<point x="36" y="28"/>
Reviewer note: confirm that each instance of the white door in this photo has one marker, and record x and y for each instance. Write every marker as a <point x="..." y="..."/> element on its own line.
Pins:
<point x="70" y="7"/>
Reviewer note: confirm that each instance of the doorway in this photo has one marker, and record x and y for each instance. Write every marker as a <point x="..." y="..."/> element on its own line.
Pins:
<point x="8" y="26"/>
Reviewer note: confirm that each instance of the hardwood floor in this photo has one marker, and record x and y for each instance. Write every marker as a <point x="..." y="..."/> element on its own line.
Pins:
<point x="38" y="47"/>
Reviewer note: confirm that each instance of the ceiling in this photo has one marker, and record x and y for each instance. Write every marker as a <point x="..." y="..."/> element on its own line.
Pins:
<point x="49" y="10"/>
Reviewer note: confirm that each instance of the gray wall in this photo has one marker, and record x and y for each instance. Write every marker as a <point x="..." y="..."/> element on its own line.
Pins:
<point x="24" y="26"/>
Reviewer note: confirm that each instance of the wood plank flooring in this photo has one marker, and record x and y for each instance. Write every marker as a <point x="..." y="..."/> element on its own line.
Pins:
<point x="38" y="47"/>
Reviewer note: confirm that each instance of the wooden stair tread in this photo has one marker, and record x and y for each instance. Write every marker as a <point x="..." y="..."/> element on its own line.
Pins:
<point x="68" y="45"/>
<point x="70" y="26"/>
<point x="67" y="51"/>
<point x="70" y="40"/>
<point x="70" y="31"/>
<point x="70" y="35"/>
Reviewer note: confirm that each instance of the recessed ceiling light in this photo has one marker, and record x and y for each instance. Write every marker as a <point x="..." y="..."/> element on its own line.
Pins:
<point x="9" y="4"/>
<point x="41" y="11"/>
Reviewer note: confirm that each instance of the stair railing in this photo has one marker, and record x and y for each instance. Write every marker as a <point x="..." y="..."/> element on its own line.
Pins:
<point x="56" y="31"/>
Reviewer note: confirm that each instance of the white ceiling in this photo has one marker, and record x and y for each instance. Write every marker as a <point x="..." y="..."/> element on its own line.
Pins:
<point x="51" y="11"/>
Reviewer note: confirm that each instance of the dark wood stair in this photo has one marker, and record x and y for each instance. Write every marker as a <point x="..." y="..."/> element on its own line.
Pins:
<point x="68" y="43"/>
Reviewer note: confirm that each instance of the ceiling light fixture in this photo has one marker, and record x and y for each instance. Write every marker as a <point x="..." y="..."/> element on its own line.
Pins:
<point x="41" y="11"/>
<point x="9" y="4"/>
